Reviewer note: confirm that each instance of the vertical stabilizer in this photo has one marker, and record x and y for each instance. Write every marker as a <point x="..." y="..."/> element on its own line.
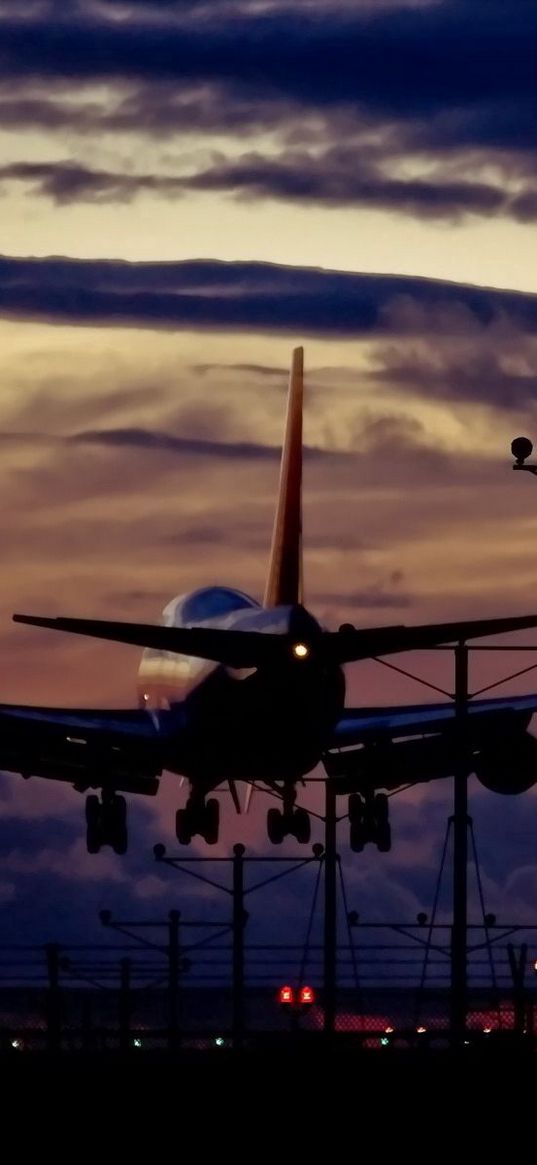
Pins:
<point x="284" y="582"/>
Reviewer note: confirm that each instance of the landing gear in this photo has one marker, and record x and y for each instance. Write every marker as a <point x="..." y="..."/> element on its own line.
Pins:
<point x="370" y="822"/>
<point x="106" y="823"/>
<point x="275" y="826"/>
<point x="198" y="817"/>
<point x="294" y="822"/>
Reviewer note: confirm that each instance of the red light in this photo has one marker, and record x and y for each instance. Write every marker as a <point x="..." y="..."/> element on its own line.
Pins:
<point x="286" y="996"/>
<point x="307" y="996"/>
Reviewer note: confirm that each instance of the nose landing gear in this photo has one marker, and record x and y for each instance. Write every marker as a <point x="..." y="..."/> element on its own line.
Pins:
<point x="198" y="817"/>
<point x="370" y="822"/>
<point x="291" y="822"/>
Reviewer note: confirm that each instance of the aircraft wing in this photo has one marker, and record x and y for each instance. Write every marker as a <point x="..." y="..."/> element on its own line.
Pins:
<point x="418" y="743"/>
<point x="362" y="725"/>
<point x="89" y="748"/>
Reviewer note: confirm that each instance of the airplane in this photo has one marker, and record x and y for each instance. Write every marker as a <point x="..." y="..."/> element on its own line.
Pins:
<point x="236" y="690"/>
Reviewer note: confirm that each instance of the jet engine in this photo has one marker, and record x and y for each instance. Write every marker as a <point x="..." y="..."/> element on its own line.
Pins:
<point x="508" y="765"/>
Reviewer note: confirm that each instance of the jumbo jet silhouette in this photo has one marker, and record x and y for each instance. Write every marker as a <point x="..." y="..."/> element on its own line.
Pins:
<point x="235" y="690"/>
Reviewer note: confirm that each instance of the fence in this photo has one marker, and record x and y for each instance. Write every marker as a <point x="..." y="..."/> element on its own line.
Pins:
<point x="393" y="988"/>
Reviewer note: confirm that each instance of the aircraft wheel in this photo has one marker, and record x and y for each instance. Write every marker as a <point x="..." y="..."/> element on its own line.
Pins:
<point x="117" y="824"/>
<point x="381" y="809"/>
<point x="183" y="827"/>
<point x="211" y="821"/>
<point x="94" y="832"/>
<point x="301" y="826"/>
<point x="384" y="838"/>
<point x="357" y="838"/>
<point x="113" y="818"/>
<point x="275" y="826"/>
<point x="120" y="843"/>
<point x="355" y="809"/>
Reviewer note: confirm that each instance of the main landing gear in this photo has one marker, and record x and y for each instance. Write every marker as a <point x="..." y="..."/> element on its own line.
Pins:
<point x="198" y="817"/>
<point x="369" y="821"/>
<point x="106" y="822"/>
<point x="292" y="821"/>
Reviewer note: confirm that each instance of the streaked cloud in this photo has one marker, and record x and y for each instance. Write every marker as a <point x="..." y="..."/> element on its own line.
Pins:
<point x="257" y="296"/>
<point x="335" y="178"/>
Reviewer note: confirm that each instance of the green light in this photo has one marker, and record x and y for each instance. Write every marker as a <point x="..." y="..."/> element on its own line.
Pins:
<point x="384" y="1041"/>
<point x="220" y="1041"/>
<point x="136" y="1043"/>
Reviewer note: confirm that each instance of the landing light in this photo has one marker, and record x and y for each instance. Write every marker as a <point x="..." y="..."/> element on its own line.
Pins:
<point x="300" y="651"/>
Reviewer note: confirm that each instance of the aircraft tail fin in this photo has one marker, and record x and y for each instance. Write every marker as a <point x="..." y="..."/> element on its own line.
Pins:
<point x="284" y="581"/>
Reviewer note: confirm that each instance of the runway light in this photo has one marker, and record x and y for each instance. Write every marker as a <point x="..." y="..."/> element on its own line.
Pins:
<point x="220" y="1041"/>
<point x="306" y="996"/>
<point x="384" y="1041"/>
<point x="137" y="1043"/>
<point x="487" y="1031"/>
<point x="421" y="1030"/>
<point x="300" y="651"/>
<point x="17" y="1044"/>
<point x="388" y="1031"/>
<point x="286" y="996"/>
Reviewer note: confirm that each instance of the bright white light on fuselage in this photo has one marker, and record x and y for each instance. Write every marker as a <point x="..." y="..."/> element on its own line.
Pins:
<point x="300" y="651"/>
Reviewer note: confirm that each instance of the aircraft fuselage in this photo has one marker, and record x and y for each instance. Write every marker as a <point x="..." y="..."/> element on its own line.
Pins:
<point x="256" y="724"/>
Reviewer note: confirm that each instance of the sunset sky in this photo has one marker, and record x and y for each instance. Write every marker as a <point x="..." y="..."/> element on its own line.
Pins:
<point x="188" y="189"/>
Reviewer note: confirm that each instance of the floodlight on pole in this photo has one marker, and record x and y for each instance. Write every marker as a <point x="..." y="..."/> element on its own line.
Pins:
<point x="522" y="448"/>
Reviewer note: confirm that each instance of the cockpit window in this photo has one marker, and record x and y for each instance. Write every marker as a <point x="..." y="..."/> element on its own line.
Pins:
<point x="213" y="601"/>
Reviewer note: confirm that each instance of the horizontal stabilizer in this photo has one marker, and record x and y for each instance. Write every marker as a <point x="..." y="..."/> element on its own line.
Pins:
<point x="352" y="644"/>
<point x="239" y="649"/>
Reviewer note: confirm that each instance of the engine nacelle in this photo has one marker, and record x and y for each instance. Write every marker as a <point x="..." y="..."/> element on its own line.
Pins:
<point x="508" y="765"/>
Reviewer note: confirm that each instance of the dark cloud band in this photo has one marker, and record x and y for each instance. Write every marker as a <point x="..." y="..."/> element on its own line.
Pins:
<point x="263" y="297"/>
<point x="404" y="58"/>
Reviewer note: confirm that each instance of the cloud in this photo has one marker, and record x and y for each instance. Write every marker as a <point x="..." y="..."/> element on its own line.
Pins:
<point x="66" y="182"/>
<point x="263" y="370"/>
<point x="154" y="440"/>
<point x="263" y="297"/>
<point x="447" y="134"/>
<point x="497" y="368"/>
<point x="425" y="56"/>
<point x="146" y="439"/>
<point x="8" y="891"/>
<point x="450" y="58"/>
<point x="383" y="593"/>
<point x="337" y="177"/>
